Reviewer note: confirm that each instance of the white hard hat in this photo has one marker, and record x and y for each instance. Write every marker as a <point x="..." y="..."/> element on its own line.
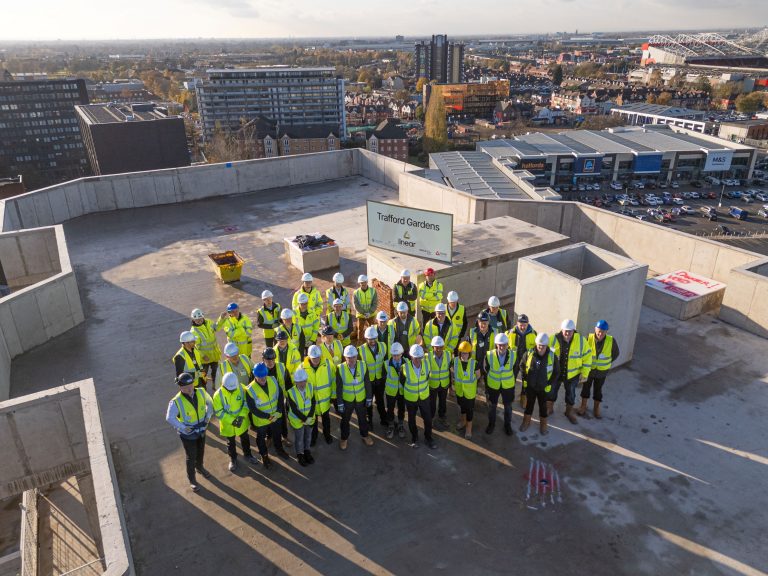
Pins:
<point x="229" y="381"/>
<point x="186" y="336"/>
<point x="338" y="302"/>
<point x="493" y="302"/>
<point x="371" y="333"/>
<point x="306" y="277"/>
<point x="542" y="338"/>
<point x="438" y="341"/>
<point x="286" y="313"/>
<point x="362" y="278"/>
<point x="350" y="352"/>
<point x="568" y="325"/>
<point x="300" y="375"/>
<point x="402" y="306"/>
<point x="501" y="339"/>
<point x="417" y="351"/>
<point x="302" y="298"/>
<point x="266" y="294"/>
<point x="338" y="278"/>
<point x="231" y="349"/>
<point x="453" y="296"/>
<point x="382" y="316"/>
<point x="314" y="351"/>
<point x="405" y="273"/>
<point x="197" y="314"/>
<point x="397" y="349"/>
<point x="440" y="307"/>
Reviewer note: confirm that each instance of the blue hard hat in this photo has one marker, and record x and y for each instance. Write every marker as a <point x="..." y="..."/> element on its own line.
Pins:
<point x="232" y="306"/>
<point x="260" y="370"/>
<point x="602" y="324"/>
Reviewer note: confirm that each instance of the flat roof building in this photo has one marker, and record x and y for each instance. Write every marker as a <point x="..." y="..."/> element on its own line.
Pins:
<point x="477" y="100"/>
<point x="641" y="113"/>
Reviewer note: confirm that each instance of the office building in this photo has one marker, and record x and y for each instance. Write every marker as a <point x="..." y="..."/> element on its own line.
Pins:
<point x="39" y="134"/>
<point x="469" y="100"/>
<point x="289" y="96"/>
<point x="440" y="60"/>
<point x="132" y="137"/>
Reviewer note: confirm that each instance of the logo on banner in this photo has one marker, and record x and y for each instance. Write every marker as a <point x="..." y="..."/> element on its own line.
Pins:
<point x="589" y="165"/>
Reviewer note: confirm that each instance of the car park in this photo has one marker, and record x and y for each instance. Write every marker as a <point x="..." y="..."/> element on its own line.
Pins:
<point x="763" y="213"/>
<point x="641" y="217"/>
<point x="675" y="185"/>
<point x="696" y="184"/>
<point x="723" y="229"/>
<point x="687" y="210"/>
<point x="677" y="201"/>
<point x="746" y="199"/>
<point x="738" y="213"/>
<point x="695" y="195"/>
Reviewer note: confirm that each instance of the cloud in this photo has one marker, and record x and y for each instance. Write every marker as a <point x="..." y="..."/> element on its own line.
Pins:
<point x="235" y="8"/>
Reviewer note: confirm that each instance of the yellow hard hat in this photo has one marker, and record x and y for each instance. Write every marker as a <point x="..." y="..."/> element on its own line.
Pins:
<point x="465" y="347"/>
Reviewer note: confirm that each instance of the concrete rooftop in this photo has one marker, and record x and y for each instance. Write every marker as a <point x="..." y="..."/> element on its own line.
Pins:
<point x="671" y="481"/>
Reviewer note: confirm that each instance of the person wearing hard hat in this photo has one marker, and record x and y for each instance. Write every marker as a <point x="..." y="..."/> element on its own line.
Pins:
<point x="522" y="338"/>
<point x="457" y="315"/>
<point x="340" y="321"/>
<point x="188" y="358"/>
<point x="498" y="315"/>
<point x="287" y="354"/>
<point x="301" y="415"/>
<point x="307" y="322"/>
<point x="439" y="361"/>
<point x="354" y="394"/>
<point x="290" y="327"/>
<point x="232" y="411"/>
<point x="206" y="343"/>
<point x="575" y="357"/>
<point x="374" y="355"/>
<point x="406" y="328"/>
<point x="234" y="362"/>
<point x="331" y="347"/>
<point x="321" y="375"/>
<point x="482" y="338"/>
<point x="189" y="412"/>
<point x="605" y="351"/>
<point x="500" y="381"/>
<point x="366" y="301"/>
<point x="394" y="391"/>
<point x="414" y="377"/>
<point x="441" y="326"/>
<point x="465" y="374"/>
<point x="279" y="362"/>
<point x="430" y="294"/>
<point x="338" y="292"/>
<point x="405" y="291"/>
<point x="385" y="333"/>
<point x="264" y="398"/>
<point x="238" y="328"/>
<point x="539" y="371"/>
<point x="314" y="298"/>
<point x="268" y="317"/>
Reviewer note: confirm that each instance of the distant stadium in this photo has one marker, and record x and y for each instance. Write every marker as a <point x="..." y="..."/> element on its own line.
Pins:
<point x="705" y="49"/>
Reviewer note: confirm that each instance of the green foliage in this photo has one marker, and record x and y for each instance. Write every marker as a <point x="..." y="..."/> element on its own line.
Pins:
<point x="435" y="127"/>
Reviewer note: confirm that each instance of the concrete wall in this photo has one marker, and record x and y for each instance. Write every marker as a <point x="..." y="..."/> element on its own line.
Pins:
<point x="745" y="303"/>
<point x="29" y="256"/>
<point x="381" y="169"/>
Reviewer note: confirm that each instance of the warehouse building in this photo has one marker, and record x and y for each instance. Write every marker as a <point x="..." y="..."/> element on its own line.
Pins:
<point x="641" y="113"/>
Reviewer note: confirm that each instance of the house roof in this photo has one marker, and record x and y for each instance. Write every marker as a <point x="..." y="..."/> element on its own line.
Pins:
<point x="389" y="130"/>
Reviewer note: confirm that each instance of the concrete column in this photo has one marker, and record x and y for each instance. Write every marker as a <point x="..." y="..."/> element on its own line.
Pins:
<point x="671" y="168"/>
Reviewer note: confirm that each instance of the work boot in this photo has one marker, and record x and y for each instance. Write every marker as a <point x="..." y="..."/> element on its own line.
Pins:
<point x="508" y="428"/>
<point x="232" y="465"/>
<point x="390" y="431"/>
<point x="596" y="410"/>
<point x="368" y="440"/>
<point x="252" y="459"/>
<point x="194" y="487"/>
<point x="526" y="423"/>
<point x="570" y="414"/>
<point x="583" y="408"/>
<point x="490" y="427"/>
<point x="204" y="472"/>
<point x="282" y="453"/>
<point x="468" y="431"/>
<point x="550" y="407"/>
<point x="343" y="444"/>
<point x="308" y="457"/>
<point x="462" y="424"/>
<point x="302" y="460"/>
<point x="400" y="430"/>
<point x="266" y="461"/>
<point x="543" y="426"/>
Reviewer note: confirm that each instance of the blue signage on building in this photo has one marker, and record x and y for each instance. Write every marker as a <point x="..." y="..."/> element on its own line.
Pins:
<point x="587" y="166"/>
<point x="647" y="164"/>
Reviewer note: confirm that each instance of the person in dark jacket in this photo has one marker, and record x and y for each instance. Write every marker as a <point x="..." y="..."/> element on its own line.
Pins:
<point x="605" y="351"/>
<point x="540" y="369"/>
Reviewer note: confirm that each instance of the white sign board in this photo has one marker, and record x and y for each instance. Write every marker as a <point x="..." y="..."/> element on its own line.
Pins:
<point x="684" y="285"/>
<point x="718" y="160"/>
<point x="420" y="233"/>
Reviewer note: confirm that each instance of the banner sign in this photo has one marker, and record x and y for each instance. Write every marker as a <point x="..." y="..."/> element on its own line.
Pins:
<point x="587" y="166"/>
<point x="718" y="160"/>
<point x="420" y="233"/>
<point x="647" y="164"/>
<point x="533" y="165"/>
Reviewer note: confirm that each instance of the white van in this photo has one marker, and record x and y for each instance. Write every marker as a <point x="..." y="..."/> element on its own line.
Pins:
<point x="712" y="180"/>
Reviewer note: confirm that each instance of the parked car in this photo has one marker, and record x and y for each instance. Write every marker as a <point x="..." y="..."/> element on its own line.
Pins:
<point x="746" y="199"/>
<point x="762" y="197"/>
<point x="722" y="229"/>
<point x="738" y="213"/>
<point x="696" y="184"/>
<point x="678" y="201"/>
<point x="712" y="195"/>
<point x="641" y="217"/>
<point x="616" y="186"/>
<point x="675" y="185"/>
<point x="695" y="195"/>
<point x="763" y="213"/>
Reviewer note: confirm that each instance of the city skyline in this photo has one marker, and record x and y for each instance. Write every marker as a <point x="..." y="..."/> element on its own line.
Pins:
<point x="77" y="20"/>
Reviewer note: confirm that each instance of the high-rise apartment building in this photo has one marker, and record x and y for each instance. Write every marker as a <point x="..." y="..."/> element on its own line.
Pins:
<point x="440" y="60"/>
<point x="289" y="96"/>
<point x="39" y="133"/>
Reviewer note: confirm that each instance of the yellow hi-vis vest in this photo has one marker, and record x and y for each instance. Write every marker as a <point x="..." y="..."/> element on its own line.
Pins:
<point x="315" y="303"/>
<point x="602" y="361"/>
<point x="579" y="355"/>
<point x="501" y="376"/>
<point x="392" y="386"/>
<point x="292" y="358"/>
<point x="230" y="405"/>
<point x="465" y="381"/>
<point x="270" y="318"/>
<point x="193" y="364"/>
<point x="439" y="374"/>
<point x="415" y="388"/>
<point x="530" y="339"/>
<point x="335" y="354"/>
<point x="374" y="364"/>
<point x="412" y="329"/>
<point x="303" y="403"/>
<point x="265" y="400"/>
<point x="431" y="329"/>
<point x="340" y="325"/>
<point x="481" y="351"/>
<point x="238" y="330"/>
<point x="430" y="296"/>
<point x="550" y="367"/>
<point x="353" y="383"/>
<point x="293" y="332"/>
<point x="226" y="367"/>
<point x="364" y="302"/>
<point x="187" y="414"/>
<point x="206" y="344"/>
<point x="323" y="381"/>
<point x="456" y="316"/>
<point x="280" y="375"/>
<point x="331" y="295"/>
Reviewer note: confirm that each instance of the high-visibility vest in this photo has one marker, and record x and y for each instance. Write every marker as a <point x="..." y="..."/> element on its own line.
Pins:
<point x="579" y="355"/>
<point x="303" y="403"/>
<point x="265" y="400"/>
<point x="400" y="293"/>
<point x="451" y="338"/>
<point x="412" y="330"/>
<point x="270" y="318"/>
<point x="465" y="381"/>
<point x="226" y="366"/>
<point x="481" y="351"/>
<point x="392" y="386"/>
<point x="308" y="324"/>
<point x="187" y="414"/>
<point x="323" y="381"/>
<point x="416" y="387"/>
<point x="292" y="358"/>
<point x="430" y="296"/>
<point x="238" y="330"/>
<point x="387" y="337"/>
<point x="206" y="343"/>
<point x="374" y="364"/>
<point x="456" y="316"/>
<point x="550" y="367"/>
<point x="335" y="354"/>
<point x="340" y="324"/>
<point x="315" y="303"/>
<point x="364" y="302"/>
<point x="331" y="295"/>
<point x="530" y="339"/>
<point x="293" y="332"/>
<point x="230" y="405"/>
<point x="439" y="373"/>
<point x="497" y="323"/>
<point x="193" y="364"/>
<point x="279" y="375"/>
<point x="353" y="383"/>
<point x="501" y="376"/>
<point x="602" y="361"/>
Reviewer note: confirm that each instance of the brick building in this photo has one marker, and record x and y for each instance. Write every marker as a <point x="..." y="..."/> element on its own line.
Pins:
<point x="389" y="139"/>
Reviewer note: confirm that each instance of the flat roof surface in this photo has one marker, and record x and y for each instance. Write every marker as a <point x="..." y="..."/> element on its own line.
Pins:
<point x="107" y="114"/>
<point x="475" y="173"/>
<point x="659" y="110"/>
<point x="669" y="481"/>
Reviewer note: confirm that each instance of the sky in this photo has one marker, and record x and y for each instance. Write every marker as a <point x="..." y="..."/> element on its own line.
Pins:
<point x="137" y="19"/>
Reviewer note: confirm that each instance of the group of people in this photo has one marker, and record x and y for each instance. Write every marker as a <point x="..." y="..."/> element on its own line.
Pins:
<point x="401" y="365"/>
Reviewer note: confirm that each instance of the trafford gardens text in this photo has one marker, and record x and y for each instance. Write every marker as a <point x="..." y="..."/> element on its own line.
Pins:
<point x="408" y="221"/>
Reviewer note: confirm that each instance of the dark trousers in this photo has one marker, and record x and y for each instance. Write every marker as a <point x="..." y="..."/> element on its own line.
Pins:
<point x="393" y="401"/>
<point x="245" y="444"/>
<point x="436" y="394"/>
<point x="532" y="396"/>
<point x="598" y="381"/>
<point x="570" y="390"/>
<point x="422" y="406"/>
<point x="284" y="420"/>
<point x="507" y="397"/>
<point x="378" y="395"/>
<point x="362" y="421"/>
<point x="516" y="371"/>
<point x="326" y="418"/>
<point x="195" y="450"/>
<point x="270" y="342"/>
<point x="275" y="429"/>
<point x="211" y="369"/>
<point x="467" y="406"/>
<point x="426" y="317"/>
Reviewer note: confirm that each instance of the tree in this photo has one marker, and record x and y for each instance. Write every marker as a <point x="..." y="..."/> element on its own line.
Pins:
<point x="557" y="75"/>
<point x="651" y="98"/>
<point x="655" y="79"/>
<point x="419" y="112"/>
<point x="435" y="128"/>
<point x="749" y="103"/>
<point x="703" y="84"/>
<point x="664" y="98"/>
<point x="420" y="84"/>
<point x="726" y="90"/>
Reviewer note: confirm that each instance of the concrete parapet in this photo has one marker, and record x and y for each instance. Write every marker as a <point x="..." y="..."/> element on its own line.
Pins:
<point x="745" y="303"/>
